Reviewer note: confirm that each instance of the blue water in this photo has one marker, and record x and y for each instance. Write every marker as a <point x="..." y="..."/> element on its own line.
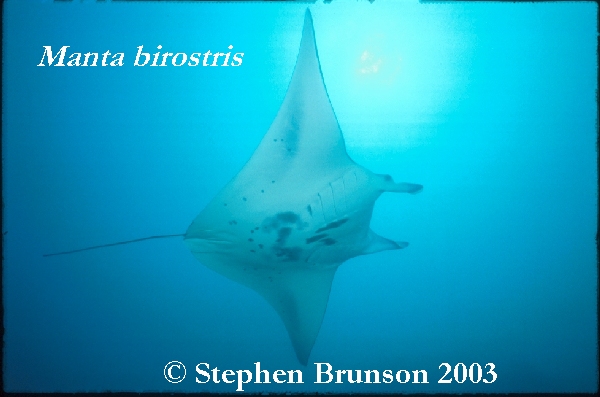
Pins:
<point x="490" y="106"/>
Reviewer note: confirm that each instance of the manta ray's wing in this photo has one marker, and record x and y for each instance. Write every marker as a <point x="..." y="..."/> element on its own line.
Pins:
<point x="300" y="298"/>
<point x="299" y="294"/>
<point x="305" y="139"/>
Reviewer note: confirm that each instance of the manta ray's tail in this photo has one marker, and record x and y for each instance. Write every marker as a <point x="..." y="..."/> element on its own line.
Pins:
<point x="112" y="244"/>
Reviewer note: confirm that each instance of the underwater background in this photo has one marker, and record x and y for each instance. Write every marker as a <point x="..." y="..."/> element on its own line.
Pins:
<point x="491" y="106"/>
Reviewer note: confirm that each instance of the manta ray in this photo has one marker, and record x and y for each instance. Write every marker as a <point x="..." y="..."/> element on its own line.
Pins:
<point x="298" y="209"/>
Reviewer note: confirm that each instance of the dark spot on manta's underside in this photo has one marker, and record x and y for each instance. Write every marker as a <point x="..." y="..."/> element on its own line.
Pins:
<point x="328" y="241"/>
<point x="308" y="208"/>
<point x="332" y="225"/>
<point x="289" y="254"/>
<point x="288" y="217"/>
<point x="283" y="234"/>
<point x="314" y="238"/>
<point x="282" y="219"/>
<point x="284" y="224"/>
